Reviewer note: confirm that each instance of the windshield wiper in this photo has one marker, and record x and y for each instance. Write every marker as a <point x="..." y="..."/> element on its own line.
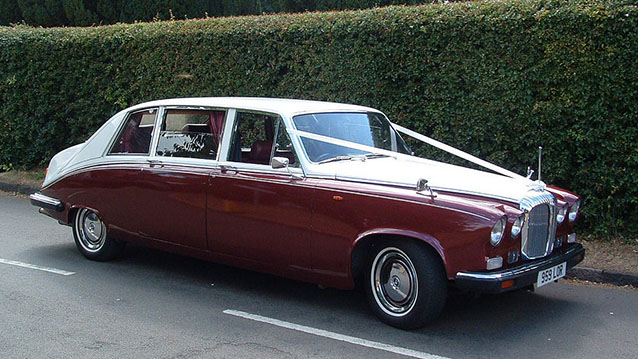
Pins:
<point x="376" y="155"/>
<point x="361" y="157"/>
<point x="338" y="158"/>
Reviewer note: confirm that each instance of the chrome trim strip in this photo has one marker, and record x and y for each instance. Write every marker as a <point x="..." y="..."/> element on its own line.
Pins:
<point x="45" y="199"/>
<point x="38" y="199"/>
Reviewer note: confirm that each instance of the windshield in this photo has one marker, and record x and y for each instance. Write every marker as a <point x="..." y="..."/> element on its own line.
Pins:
<point x="369" y="129"/>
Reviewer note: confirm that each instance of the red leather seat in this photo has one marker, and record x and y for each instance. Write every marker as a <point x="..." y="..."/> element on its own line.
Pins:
<point x="260" y="152"/>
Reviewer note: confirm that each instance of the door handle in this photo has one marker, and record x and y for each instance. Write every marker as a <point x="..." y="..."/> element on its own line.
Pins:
<point x="155" y="163"/>
<point x="225" y="168"/>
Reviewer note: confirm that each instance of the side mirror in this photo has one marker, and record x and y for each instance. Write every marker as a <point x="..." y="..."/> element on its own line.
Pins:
<point x="279" y="162"/>
<point x="283" y="162"/>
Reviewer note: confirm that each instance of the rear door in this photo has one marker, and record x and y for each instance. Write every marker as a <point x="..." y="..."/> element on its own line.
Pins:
<point x="177" y="176"/>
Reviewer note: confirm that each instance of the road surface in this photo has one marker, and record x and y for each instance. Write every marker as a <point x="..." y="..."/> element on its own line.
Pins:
<point x="149" y="304"/>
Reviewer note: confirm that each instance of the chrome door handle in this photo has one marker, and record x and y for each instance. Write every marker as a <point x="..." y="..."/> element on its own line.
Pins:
<point x="154" y="163"/>
<point x="227" y="168"/>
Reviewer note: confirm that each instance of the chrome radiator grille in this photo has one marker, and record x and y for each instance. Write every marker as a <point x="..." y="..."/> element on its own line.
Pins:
<point x="539" y="228"/>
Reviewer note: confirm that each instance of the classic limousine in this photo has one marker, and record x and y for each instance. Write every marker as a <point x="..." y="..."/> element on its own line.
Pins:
<point x="321" y="192"/>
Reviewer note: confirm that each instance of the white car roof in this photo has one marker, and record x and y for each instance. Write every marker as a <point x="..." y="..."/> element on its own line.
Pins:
<point x="289" y="107"/>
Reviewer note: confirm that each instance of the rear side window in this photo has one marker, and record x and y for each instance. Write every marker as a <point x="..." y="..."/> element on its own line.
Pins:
<point x="135" y="136"/>
<point x="191" y="133"/>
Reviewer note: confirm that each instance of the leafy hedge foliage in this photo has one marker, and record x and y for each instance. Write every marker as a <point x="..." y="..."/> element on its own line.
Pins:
<point x="90" y="12"/>
<point x="496" y="79"/>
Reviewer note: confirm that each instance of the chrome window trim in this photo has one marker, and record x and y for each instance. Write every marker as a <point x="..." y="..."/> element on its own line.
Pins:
<point x="161" y="112"/>
<point x="227" y="134"/>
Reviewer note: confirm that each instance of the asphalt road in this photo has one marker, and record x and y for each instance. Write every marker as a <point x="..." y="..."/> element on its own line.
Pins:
<point x="151" y="304"/>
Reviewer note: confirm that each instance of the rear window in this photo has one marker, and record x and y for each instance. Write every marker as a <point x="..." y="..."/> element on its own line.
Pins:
<point x="135" y="136"/>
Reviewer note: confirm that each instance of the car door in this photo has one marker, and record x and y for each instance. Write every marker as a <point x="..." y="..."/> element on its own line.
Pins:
<point x="257" y="213"/>
<point x="177" y="176"/>
<point x="118" y="186"/>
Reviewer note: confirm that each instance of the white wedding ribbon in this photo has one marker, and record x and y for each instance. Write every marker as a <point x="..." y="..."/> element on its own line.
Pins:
<point x="417" y="136"/>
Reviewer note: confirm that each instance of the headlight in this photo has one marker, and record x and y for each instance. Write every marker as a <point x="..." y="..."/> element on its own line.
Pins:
<point x="560" y="217"/>
<point x="573" y="212"/>
<point x="497" y="231"/>
<point x="518" y="224"/>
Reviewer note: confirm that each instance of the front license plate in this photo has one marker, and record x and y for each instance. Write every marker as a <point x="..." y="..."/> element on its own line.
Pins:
<point x="551" y="274"/>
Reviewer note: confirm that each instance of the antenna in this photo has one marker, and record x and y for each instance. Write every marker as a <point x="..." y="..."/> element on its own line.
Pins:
<point x="540" y="156"/>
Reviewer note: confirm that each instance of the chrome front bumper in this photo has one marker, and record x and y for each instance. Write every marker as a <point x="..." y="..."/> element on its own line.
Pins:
<point x="46" y="202"/>
<point x="523" y="276"/>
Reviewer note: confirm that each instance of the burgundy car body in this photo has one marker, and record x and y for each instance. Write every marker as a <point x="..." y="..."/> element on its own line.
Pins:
<point x="297" y="221"/>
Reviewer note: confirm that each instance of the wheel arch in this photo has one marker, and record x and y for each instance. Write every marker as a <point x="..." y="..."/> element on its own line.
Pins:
<point x="75" y="208"/>
<point x="366" y="242"/>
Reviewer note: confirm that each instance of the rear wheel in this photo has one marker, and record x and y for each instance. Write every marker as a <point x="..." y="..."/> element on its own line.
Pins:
<point x="406" y="284"/>
<point x="89" y="232"/>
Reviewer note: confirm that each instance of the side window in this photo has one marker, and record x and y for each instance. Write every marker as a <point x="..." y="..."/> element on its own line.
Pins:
<point x="135" y="136"/>
<point x="253" y="138"/>
<point x="191" y="133"/>
<point x="283" y="146"/>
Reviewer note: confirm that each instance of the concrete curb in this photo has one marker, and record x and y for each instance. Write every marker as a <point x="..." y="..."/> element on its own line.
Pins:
<point x="603" y="276"/>
<point x="19" y="188"/>
<point x="581" y="273"/>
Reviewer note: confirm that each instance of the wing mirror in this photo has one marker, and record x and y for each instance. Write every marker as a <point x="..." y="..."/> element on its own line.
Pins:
<point x="283" y="162"/>
<point x="279" y="162"/>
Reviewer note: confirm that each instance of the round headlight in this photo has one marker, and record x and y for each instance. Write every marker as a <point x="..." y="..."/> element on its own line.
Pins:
<point x="517" y="226"/>
<point x="497" y="231"/>
<point x="560" y="217"/>
<point x="573" y="212"/>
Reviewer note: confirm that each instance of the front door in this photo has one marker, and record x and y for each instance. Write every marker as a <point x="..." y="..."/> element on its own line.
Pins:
<point x="257" y="213"/>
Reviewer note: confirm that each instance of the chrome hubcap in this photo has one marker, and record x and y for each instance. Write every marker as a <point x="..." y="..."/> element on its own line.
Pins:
<point x="90" y="230"/>
<point x="394" y="281"/>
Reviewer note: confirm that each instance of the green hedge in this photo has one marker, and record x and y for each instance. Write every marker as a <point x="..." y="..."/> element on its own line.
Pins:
<point x="90" y="12"/>
<point x="496" y="79"/>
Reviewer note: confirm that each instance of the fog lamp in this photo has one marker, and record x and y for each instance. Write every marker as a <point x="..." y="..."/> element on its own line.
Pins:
<point x="494" y="263"/>
<point x="571" y="238"/>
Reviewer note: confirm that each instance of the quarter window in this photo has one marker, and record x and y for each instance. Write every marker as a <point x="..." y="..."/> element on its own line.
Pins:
<point x="135" y="136"/>
<point x="191" y="133"/>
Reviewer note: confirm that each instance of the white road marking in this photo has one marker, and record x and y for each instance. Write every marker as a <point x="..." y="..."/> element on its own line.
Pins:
<point x="335" y="336"/>
<point x="36" y="267"/>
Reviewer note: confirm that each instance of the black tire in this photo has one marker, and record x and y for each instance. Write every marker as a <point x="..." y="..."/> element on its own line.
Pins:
<point x="406" y="284"/>
<point x="91" y="239"/>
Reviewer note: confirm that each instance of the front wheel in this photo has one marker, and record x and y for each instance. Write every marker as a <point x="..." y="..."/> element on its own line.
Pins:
<point x="406" y="284"/>
<point x="89" y="232"/>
